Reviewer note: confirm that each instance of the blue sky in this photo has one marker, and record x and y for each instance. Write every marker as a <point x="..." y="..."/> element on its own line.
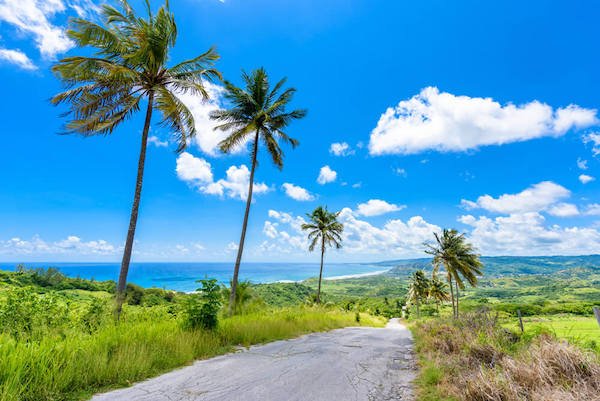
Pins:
<point x="480" y="116"/>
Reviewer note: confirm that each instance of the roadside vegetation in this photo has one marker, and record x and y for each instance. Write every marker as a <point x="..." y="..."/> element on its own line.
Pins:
<point x="59" y="341"/>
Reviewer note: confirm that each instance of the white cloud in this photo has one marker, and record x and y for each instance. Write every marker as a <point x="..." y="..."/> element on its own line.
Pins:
<point x="526" y="234"/>
<point x="563" y="210"/>
<point x="536" y="198"/>
<point x="400" y="172"/>
<point x="592" y="209"/>
<point x="297" y="193"/>
<point x="18" y="58"/>
<point x="157" y="142"/>
<point x="594" y="139"/>
<point x="341" y="149"/>
<point x="376" y="207"/>
<point x="32" y="17"/>
<point x="207" y="139"/>
<point x="72" y="245"/>
<point x="584" y="178"/>
<point x="448" y="123"/>
<point x="582" y="164"/>
<point x="198" y="173"/>
<point x="190" y="168"/>
<point x="326" y="175"/>
<point x="357" y="185"/>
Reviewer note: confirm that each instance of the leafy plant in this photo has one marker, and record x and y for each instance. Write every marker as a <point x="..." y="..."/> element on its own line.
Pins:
<point x="201" y="310"/>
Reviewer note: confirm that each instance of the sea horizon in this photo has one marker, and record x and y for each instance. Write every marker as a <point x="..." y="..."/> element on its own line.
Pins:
<point x="182" y="276"/>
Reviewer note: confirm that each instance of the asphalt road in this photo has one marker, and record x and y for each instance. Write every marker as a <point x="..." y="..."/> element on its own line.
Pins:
<point x="354" y="363"/>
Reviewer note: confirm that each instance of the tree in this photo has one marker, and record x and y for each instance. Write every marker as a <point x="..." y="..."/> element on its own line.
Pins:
<point x="128" y="66"/>
<point x="242" y="296"/>
<point x="326" y="230"/>
<point x="458" y="258"/>
<point x="256" y="113"/>
<point x="438" y="292"/>
<point x="418" y="289"/>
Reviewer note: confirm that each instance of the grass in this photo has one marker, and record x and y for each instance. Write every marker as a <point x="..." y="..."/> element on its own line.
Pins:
<point x="577" y="329"/>
<point x="476" y="359"/>
<point x="71" y="366"/>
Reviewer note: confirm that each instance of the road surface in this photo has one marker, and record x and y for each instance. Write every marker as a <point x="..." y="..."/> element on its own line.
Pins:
<point x="354" y="363"/>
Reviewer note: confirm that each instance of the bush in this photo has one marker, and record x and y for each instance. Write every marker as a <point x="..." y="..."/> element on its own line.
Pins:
<point x="201" y="310"/>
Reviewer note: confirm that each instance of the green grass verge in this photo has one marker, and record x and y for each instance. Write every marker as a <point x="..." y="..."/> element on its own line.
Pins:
<point x="74" y="366"/>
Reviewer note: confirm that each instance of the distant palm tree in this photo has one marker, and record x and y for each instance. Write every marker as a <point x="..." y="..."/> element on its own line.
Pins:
<point x="460" y="260"/>
<point x="418" y="289"/>
<point x="438" y="292"/>
<point x="243" y="294"/>
<point x="129" y="65"/>
<point x="326" y="230"/>
<point x="256" y="113"/>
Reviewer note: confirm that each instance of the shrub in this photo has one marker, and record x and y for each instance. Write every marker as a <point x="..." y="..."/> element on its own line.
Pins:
<point x="201" y="310"/>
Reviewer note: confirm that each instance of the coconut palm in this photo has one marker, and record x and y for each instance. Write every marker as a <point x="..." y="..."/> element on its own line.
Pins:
<point x="438" y="291"/>
<point x="418" y="289"/>
<point x="257" y="113"/>
<point x="458" y="258"/>
<point x="326" y="230"/>
<point x="128" y="66"/>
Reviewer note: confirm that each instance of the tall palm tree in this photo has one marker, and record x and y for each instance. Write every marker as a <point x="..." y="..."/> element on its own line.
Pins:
<point x="256" y="113"/>
<point x="129" y="65"/>
<point x="458" y="258"/>
<point x="438" y="292"/>
<point x="418" y="289"/>
<point x="326" y="230"/>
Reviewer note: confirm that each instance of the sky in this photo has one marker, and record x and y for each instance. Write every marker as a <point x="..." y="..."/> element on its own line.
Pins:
<point x="478" y="116"/>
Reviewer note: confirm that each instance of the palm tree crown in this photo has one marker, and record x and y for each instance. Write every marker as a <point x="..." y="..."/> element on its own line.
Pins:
<point x="418" y="289"/>
<point x="129" y="64"/>
<point x="260" y="111"/>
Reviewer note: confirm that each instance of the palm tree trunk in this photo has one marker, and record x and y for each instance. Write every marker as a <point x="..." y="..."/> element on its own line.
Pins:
<point x="134" y="213"/>
<point x="437" y="306"/>
<point x="457" y="296"/>
<point x="321" y="272"/>
<point x="418" y="310"/>
<point x="238" y="260"/>
<point x="452" y="296"/>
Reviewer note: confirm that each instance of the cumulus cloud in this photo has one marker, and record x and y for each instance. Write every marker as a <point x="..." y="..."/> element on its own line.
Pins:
<point x="207" y="139"/>
<point x="376" y="207"/>
<point x="72" y="245"/>
<point x="326" y="174"/>
<point x="594" y="139"/>
<point x="527" y="234"/>
<point x="563" y="210"/>
<point x="584" y="178"/>
<point x="582" y="164"/>
<point x="157" y="142"/>
<point x="18" y="58"/>
<point x="434" y="120"/>
<point x="296" y="192"/>
<point x="341" y="149"/>
<point x="198" y="173"/>
<point x="592" y="209"/>
<point x="536" y="198"/>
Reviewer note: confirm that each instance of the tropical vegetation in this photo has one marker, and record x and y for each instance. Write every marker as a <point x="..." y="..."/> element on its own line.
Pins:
<point x="258" y="113"/>
<point x="325" y="230"/>
<point x="128" y="66"/>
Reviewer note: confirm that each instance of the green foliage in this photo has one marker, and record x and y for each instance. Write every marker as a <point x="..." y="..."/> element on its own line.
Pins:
<point x="201" y="310"/>
<point x="52" y="278"/>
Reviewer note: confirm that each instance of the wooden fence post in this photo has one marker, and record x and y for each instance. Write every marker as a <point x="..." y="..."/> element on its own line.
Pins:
<point x="597" y="313"/>
<point x="520" y="321"/>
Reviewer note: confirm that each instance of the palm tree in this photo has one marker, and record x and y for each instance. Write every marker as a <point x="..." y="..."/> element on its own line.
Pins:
<point x="460" y="260"/>
<point x="256" y="113"/>
<point x="418" y="289"/>
<point x="129" y="65"/>
<point x="437" y="291"/>
<point x="326" y="230"/>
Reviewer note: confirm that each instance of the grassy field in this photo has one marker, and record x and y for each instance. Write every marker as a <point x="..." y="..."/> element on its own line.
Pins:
<point x="578" y="329"/>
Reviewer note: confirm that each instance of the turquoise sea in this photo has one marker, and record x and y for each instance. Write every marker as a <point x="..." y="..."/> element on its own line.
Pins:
<point x="182" y="276"/>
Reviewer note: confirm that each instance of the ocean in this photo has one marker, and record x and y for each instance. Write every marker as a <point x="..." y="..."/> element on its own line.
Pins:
<point x="183" y="276"/>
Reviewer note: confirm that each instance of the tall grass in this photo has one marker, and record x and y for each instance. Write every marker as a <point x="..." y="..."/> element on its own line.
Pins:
<point x="71" y="364"/>
<point x="475" y="359"/>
